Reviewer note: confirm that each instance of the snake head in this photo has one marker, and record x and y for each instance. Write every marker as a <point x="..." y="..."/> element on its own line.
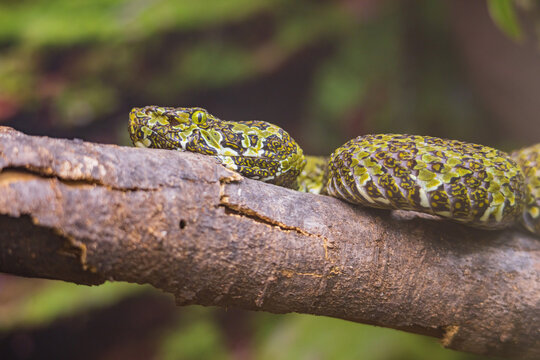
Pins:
<point x="256" y="149"/>
<point x="168" y="127"/>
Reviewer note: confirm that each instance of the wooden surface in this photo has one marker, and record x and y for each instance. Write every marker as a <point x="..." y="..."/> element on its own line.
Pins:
<point x="87" y="213"/>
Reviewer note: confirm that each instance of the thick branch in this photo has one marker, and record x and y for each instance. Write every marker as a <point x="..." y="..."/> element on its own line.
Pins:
<point x="85" y="213"/>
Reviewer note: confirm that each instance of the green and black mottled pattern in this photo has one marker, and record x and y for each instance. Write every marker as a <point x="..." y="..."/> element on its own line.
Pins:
<point x="529" y="160"/>
<point x="472" y="184"/>
<point x="469" y="183"/>
<point x="256" y="149"/>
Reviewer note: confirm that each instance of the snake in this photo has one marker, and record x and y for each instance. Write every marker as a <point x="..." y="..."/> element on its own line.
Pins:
<point x="472" y="184"/>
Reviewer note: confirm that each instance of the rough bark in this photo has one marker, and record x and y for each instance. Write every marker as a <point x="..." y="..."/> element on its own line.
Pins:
<point x="87" y="213"/>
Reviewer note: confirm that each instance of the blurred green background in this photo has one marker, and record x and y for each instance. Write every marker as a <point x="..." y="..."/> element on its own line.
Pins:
<point x="324" y="70"/>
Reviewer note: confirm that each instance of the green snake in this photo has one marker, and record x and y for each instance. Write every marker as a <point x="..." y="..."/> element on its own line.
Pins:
<point x="468" y="183"/>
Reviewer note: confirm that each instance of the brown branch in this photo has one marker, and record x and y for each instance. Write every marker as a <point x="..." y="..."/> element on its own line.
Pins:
<point x="86" y="213"/>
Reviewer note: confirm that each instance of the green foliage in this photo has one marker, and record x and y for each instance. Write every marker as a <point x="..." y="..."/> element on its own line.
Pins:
<point x="17" y="75"/>
<point x="89" y="61"/>
<point x="79" y="103"/>
<point x="109" y="55"/>
<point x="503" y="14"/>
<point x="368" y="54"/>
<point x="213" y="64"/>
<point x="297" y="336"/>
<point x="301" y="25"/>
<point x="62" y="22"/>
<point x="378" y="80"/>
<point x="54" y="299"/>
<point x="197" y="336"/>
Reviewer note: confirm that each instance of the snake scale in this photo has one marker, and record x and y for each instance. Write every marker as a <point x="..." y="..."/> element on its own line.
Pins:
<point x="468" y="183"/>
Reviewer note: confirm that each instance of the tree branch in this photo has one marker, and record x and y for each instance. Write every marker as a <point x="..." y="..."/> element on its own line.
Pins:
<point x="86" y="213"/>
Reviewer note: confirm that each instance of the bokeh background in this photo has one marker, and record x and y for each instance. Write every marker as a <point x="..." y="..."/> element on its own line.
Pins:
<point x="324" y="70"/>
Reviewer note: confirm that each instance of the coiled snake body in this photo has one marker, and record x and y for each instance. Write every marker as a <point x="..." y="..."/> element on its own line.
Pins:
<point x="468" y="183"/>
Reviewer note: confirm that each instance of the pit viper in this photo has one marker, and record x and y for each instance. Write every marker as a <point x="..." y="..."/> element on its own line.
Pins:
<point x="468" y="183"/>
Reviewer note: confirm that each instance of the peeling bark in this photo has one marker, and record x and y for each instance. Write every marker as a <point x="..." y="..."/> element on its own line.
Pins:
<point x="87" y="213"/>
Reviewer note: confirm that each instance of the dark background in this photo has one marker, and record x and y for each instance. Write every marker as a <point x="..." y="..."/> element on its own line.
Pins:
<point x="326" y="71"/>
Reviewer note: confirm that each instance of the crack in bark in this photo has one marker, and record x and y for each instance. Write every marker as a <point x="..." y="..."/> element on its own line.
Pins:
<point x="236" y="209"/>
<point x="15" y="174"/>
<point x="243" y="211"/>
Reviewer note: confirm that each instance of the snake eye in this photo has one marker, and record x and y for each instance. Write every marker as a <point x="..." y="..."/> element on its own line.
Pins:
<point x="199" y="117"/>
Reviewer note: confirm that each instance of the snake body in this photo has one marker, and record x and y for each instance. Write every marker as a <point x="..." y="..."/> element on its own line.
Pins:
<point x="468" y="183"/>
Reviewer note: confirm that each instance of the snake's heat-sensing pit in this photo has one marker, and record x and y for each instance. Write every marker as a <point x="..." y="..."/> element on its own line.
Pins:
<point x="472" y="184"/>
